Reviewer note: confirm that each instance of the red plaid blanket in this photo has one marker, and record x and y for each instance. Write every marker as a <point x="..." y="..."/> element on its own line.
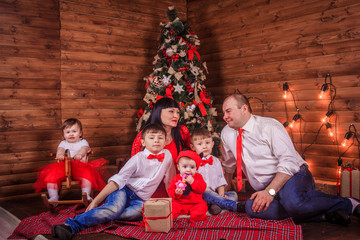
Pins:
<point x="227" y="226"/>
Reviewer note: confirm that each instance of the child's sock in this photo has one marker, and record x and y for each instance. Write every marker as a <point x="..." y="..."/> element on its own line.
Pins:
<point x="86" y="188"/>
<point x="53" y="192"/>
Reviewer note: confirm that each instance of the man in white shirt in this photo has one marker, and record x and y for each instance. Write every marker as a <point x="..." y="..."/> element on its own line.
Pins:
<point x="283" y="183"/>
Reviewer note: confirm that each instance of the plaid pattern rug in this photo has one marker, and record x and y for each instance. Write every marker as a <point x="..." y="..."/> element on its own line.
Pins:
<point x="229" y="225"/>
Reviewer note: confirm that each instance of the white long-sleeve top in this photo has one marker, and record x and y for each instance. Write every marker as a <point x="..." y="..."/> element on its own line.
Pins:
<point x="266" y="150"/>
<point x="213" y="174"/>
<point x="143" y="175"/>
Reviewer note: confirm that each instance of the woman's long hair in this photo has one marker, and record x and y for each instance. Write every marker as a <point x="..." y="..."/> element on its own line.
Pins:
<point x="155" y="117"/>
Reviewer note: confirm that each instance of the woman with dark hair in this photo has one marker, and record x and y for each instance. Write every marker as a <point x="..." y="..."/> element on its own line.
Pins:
<point x="166" y="112"/>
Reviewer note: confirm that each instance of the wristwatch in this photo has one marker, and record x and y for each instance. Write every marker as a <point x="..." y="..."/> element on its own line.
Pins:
<point x="271" y="191"/>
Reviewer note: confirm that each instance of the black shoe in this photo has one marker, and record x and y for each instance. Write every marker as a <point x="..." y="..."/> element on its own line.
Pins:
<point x="214" y="209"/>
<point x="339" y="216"/>
<point x="357" y="211"/>
<point x="240" y="206"/>
<point x="61" y="231"/>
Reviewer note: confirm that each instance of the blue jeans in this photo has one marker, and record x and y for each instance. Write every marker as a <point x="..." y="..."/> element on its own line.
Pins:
<point x="299" y="200"/>
<point x="122" y="204"/>
<point x="229" y="203"/>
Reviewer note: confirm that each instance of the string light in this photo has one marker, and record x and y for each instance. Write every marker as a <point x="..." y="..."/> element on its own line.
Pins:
<point x="285" y="89"/>
<point x="327" y="116"/>
<point x="295" y="118"/>
<point x="325" y="86"/>
<point x="328" y="127"/>
<point x="347" y="136"/>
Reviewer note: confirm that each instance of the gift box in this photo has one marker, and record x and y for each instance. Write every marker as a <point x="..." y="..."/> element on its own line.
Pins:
<point x="350" y="183"/>
<point x="158" y="215"/>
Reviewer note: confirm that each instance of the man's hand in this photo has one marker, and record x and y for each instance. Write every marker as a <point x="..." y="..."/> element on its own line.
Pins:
<point x="262" y="201"/>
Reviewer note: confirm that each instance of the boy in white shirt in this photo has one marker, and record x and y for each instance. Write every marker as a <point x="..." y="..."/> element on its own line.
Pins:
<point x="212" y="172"/>
<point x="127" y="190"/>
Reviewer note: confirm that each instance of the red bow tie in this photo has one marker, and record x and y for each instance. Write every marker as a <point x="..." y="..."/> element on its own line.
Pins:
<point x="206" y="161"/>
<point x="159" y="157"/>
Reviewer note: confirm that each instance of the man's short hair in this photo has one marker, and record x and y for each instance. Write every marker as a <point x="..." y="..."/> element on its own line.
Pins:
<point x="152" y="128"/>
<point x="200" y="133"/>
<point x="241" y="100"/>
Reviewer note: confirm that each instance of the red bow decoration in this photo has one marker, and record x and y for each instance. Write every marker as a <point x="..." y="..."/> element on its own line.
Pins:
<point x="168" y="91"/>
<point x="204" y="97"/>
<point x="159" y="157"/>
<point x="191" y="52"/>
<point x="207" y="161"/>
<point x="160" y="97"/>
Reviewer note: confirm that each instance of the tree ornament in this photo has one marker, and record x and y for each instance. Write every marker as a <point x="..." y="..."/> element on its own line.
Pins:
<point x="178" y="88"/>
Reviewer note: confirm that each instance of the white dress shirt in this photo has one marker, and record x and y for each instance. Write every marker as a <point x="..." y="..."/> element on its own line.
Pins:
<point x="213" y="174"/>
<point x="143" y="175"/>
<point x="266" y="150"/>
<point x="74" y="148"/>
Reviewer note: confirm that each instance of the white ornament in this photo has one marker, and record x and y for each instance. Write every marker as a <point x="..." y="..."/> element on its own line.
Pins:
<point x="190" y="108"/>
<point x="166" y="79"/>
<point x="178" y="88"/>
<point x="169" y="52"/>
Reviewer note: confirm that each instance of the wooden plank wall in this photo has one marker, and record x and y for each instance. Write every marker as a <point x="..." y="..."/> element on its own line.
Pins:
<point x="107" y="47"/>
<point x="61" y="59"/>
<point x="258" y="45"/>
<point x="29" y="90"/>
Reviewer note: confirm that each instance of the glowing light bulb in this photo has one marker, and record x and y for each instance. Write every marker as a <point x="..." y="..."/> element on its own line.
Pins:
<point x="285" y="89"/>
<point x="324" y="87"/>
<point x="345" y="142"/>
<point x="331" y="134"/>
<point x="327" y="116"/>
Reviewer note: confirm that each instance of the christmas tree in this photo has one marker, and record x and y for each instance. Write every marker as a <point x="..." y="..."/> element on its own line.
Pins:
<point x="178" y="73"/>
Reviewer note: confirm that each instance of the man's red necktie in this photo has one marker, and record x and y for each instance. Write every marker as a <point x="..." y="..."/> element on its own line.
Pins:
<point x="159" y="157"/>
<point x="238" y="159"/>
<point x="207" y="161"/>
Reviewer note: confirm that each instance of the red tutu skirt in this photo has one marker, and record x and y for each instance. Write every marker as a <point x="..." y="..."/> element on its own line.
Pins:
<point x="55" y="173"/>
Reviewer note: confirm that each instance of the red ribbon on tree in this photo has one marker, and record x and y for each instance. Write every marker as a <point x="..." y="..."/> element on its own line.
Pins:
<point x="140" y="113"/>
<point x="168" y="91"/>
<point x="201" y="107"/>
<point x="191" y="52"/>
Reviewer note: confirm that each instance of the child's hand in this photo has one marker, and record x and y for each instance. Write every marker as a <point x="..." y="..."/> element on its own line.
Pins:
<point x="179" y="191"/>
<point x="189" y="179"/>
<point x="78" y="156"/>
<point x="60" y="157"/>
<point x="223" y="195"/>
<point x="92" y="205"/>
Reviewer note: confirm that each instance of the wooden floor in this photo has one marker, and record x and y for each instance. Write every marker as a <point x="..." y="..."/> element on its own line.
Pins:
<point x="311" y="231"/>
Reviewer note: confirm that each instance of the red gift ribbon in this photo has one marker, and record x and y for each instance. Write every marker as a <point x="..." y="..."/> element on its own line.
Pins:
<point x="153" y="218"/>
